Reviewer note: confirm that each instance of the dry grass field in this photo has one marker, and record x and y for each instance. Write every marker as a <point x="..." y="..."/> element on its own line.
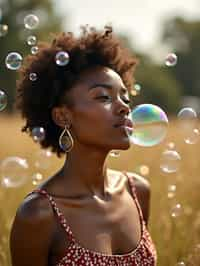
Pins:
<point x="177" y="238"/>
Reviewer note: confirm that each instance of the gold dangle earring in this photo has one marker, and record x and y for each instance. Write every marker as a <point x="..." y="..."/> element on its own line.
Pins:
<point x="66" y="141"/>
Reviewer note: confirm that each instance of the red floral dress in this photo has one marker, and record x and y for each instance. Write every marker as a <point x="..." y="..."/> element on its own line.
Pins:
<point x="76" y="255"/>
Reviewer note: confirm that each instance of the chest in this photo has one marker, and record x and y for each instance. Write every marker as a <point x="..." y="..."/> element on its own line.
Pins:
<point x="114" y="229"/>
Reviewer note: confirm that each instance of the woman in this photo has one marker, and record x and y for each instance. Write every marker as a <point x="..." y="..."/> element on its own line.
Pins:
<point x="86" y="214"/>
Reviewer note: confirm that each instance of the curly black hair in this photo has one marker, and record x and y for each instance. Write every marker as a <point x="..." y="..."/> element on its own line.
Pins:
<point x="35" y="99"/>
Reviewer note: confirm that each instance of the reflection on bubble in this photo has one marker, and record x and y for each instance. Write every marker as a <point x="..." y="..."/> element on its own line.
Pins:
<point x="114" y="153"/>
<point x="149" y="125"/>
<point x="31" y="22"/>
<point x="3" y="30"/>
<point x="31" y="40"/>
<point x="176" y="210"/>
<point x="34" y="50"/>
<point x="170" y="161"/>
<point x="36" y="178"/>
<point x="42" y="159"/>
<point x="13" y="61"/>
<point x="38" y="134"/>
<point x="193" y="138"/>
<point x="62" y="58"/>
<point x="3" y="100"/>
<point x="171" y="60"/>
<point x="14" y="172"/>
<point x="33" y="76"/>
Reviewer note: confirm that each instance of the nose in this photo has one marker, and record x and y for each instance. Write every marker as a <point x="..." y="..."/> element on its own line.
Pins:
<point x="122" y="107"/>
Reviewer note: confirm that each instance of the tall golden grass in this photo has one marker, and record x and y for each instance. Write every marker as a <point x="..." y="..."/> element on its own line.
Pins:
<point x="176" y="239"/>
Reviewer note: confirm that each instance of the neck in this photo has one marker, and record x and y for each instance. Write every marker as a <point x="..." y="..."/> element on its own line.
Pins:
<point x="85" y="172"/>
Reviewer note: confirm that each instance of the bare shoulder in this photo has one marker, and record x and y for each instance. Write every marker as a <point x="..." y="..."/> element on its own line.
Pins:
<point x="143" y="192"/>
<point x="32" y="228"/>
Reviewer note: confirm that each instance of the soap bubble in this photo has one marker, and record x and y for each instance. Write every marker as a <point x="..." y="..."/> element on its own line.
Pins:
<point x="38" y="134"/>
<point x="13" y="61"/>
<point x="193" y="138"/>
<point x="137" y="88"/>
<point x="31" y="40"/>
<point x="31" y="22"/>
<point x="14" y="172"/>
<point x="3" y="30"/>
<point x="33" y="76"/>
<point x="176" y="210"/>
<point x="114" y="153"/>
<point x="3" y="100"/>
<point x="34" y="50"/>
<point x="171" y="60"/>
<point x="62" y="58"/>
<point x="36" y="178"/>
<point x="149" y="125"/>
<point x="170" y="161"/>
<point x="42" y="159"/>
<point x="187" y="121"/>
<point x="171" y="191"/>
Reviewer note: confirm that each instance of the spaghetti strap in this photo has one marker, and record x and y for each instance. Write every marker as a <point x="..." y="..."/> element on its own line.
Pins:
<point x="59" y="214"/>
<point x="133" y="190"/>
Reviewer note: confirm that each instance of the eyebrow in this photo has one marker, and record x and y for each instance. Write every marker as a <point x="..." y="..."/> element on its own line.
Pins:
<point x="106" y="86"/>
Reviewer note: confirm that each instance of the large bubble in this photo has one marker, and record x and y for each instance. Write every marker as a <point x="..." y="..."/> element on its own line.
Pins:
<point x="14" y="172"/>
<point x="149" y="125"/>
<point x="3" y="100"/>
<point x="13" y="61"/>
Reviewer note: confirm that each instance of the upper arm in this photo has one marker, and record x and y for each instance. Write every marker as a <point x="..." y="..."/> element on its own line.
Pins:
<point x="143" y="192"/>
<point x="31" y="233"/>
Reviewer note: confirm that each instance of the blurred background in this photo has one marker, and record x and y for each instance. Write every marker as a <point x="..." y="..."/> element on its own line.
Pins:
<point x="152" y="30"/>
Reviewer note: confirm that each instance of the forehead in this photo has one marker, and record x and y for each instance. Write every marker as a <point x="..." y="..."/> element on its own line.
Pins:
<point x="95" y="75"/>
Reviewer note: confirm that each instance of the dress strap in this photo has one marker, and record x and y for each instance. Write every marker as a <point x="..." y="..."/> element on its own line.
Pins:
<point x="134" y="193"/>
<point x="59" y="214"/>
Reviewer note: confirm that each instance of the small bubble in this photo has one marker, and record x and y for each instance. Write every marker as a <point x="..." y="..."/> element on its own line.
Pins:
<point x="3" y="100"/>
<point x="3" y="30"/>
<point x="62" y="58"/>
<point x="176" y="210"/>
<point x="171" y="60"/>
<point x="14" y="172"/>
<point x="33" y="76"/>
<point x="31" y="40"/>
<point x="181" y="263"/>
<point x="137" y="87"/>
<point x="170" y="161"/>
<point x="38" y="134"/>
<point x="34" y="50"/>
<point x="36" y="178"/>
<point x="31" y="22"/>
<point x="193" y="138"/>
<point x="42" y="159"/>
<point x="13" y="61"/>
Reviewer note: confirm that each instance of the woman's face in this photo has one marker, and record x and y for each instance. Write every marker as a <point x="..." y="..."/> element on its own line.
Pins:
<point x="100" y="103"/>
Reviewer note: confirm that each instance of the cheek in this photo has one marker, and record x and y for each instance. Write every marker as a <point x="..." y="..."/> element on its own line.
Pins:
<point x="92" y="121"/>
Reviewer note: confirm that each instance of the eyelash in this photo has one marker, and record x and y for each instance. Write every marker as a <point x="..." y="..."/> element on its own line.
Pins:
<point x="107" y="97"/>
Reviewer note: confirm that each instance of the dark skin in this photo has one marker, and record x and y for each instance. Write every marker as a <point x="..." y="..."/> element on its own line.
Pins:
<point x="86" y="191"/>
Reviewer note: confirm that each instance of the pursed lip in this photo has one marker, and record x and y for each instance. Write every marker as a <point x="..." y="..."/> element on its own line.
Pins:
<point x="124" y="123"/>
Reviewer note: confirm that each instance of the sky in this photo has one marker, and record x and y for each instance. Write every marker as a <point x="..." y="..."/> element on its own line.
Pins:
<point x="141" y="19"/>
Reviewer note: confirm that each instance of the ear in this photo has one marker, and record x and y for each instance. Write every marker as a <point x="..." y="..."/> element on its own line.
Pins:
<point x="61" y="116"/>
